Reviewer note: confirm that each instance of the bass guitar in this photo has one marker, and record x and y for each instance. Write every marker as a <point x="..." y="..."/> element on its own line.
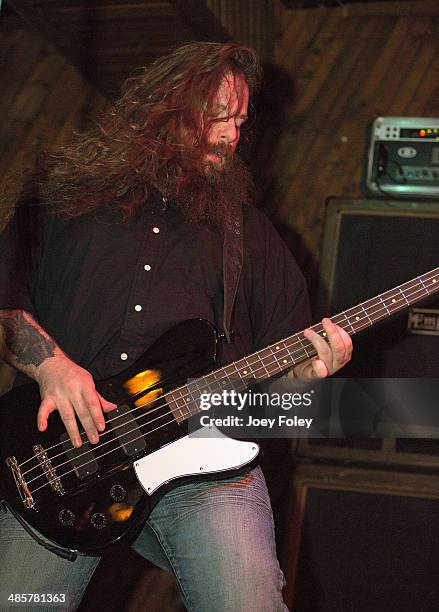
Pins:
<point x="85" y="499"/>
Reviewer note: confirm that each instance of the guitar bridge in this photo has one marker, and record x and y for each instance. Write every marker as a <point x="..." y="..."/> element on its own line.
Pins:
<point x="48" y="469"/>
<point x="25" y="494"/>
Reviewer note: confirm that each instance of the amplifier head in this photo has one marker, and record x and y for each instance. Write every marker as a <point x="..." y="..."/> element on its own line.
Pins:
<point x="403" y="158"/>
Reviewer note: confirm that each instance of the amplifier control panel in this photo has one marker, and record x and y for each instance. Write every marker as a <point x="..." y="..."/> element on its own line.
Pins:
<point x="403" y="159"/>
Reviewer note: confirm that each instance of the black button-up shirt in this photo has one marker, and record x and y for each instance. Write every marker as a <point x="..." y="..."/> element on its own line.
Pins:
<point x="106" y="289"/>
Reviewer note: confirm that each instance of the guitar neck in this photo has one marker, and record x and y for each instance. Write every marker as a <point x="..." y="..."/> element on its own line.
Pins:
<point x="294" y="349"/>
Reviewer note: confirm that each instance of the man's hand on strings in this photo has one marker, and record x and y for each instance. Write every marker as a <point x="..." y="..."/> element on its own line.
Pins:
<point x="332" y="353"/>
<point x="68" y="388"/>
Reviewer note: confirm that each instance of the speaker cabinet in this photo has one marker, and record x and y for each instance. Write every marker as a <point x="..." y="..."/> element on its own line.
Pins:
<point x="371" y="246"/>
<point x="362" y="541"/>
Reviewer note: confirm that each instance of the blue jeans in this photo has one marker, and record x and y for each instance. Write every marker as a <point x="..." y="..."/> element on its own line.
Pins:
<point x="216" y="537"/>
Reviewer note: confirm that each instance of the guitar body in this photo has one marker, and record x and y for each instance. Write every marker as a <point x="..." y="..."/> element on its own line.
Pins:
<point x="89" y="498"/>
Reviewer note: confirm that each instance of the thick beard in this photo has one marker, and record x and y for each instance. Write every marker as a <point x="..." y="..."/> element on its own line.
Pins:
<point x="215" y="193"/>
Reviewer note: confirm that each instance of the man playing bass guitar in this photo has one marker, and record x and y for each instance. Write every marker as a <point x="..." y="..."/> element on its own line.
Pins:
<point x="126" y="231"/>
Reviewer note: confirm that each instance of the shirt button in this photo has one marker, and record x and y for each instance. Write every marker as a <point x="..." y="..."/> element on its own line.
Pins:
<point x="123" y="356"/>
<point x="138" y="307"/>
<point x="147" y="267"/>
<point x="156" y="230"/>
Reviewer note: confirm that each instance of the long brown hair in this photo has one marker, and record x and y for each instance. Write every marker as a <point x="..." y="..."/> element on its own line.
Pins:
<point x="136" y="143"/>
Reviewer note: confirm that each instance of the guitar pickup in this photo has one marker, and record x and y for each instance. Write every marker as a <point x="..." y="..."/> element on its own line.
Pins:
<point x="82" y="459"/>
<point x="127" y="431"/>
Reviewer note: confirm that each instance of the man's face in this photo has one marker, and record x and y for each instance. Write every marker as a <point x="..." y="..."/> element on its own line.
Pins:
<point x="218" y="184"/>
<point x="229" y="113"/>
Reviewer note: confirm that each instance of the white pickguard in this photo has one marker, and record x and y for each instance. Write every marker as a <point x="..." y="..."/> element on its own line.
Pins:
<point x="189" y="456"/>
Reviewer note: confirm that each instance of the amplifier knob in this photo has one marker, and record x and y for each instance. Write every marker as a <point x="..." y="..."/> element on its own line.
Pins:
<point x="99" y="520"/>
<point x="118" y="493"/>
<point x="66" y="517"/>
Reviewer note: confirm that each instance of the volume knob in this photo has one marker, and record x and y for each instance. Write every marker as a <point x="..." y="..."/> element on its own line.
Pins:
<point x="118" y="493"/>
<point x="66" y="517"/>
<point x="99" y="520"/>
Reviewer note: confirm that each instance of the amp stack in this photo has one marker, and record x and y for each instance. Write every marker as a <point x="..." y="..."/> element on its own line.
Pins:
<point x="363" y="531"/>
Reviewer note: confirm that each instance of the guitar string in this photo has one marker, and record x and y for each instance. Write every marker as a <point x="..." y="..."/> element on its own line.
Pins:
<point x="58" y="478"/>
<point x="301" y="339"/>
<point x="157" y="418"/>
<point x="317" y="327"/>
<point x="164" y="404"/>
<point x="172" y="421"/>
<point x="215" y="381"/>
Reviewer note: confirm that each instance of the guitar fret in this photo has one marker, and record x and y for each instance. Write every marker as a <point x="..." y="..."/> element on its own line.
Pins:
<point x="284" y="355"/>
<point x="362" y="307"/>
<point x="290" y="358"/>
<point x="357" y="317"/>
<point x="247" y="369"/>
<point x="250" y="367"/>
<point x="290" y="355"/>
<point x="423" y="284"/>
<point x="300" y="352"/>
<point x="197" y="386"/>
<point x="302" y="345"/>
<point x="236" y="367"/>
<point x="265" y="368"/>
<point x="383" y="303"/>
<point x="188" y="401"/>
<point x="227" y="371"/>
<point x="272" y="360"/>
<point x="177" y="403"/>
<point x="375" y="310"/>
<point x="348" y="322"/>
<point x="179" y="408"/>
<point x="402" y="293"/>
<point x="276" y="359"/>
<point x="394" y="304"/>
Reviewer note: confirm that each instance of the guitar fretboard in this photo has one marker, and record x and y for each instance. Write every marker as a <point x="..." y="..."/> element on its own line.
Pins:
<point x="294" y="349"/>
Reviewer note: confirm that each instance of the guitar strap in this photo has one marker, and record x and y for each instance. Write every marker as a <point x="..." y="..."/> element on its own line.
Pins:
<point x="233" y="257"/>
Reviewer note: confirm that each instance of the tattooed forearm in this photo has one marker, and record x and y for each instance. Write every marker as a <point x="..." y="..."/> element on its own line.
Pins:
<point x="24" y="340"/>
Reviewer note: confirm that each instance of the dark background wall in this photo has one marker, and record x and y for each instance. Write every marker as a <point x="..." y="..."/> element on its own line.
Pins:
<point x="330" y="72"/>
<point x="346" y="68"/>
